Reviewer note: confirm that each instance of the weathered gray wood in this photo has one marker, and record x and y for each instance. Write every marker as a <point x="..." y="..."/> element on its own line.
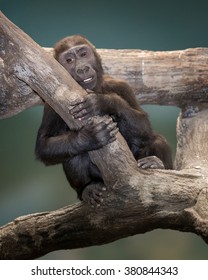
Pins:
<point x="137" y="201"/>
<point x="162" y="77"/>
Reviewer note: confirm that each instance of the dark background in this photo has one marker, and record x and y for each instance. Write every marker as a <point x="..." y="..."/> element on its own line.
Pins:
<point x="26" y="186"/>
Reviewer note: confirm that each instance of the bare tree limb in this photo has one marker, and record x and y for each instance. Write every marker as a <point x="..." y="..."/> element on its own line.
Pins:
<point x="165" y="77"/>
<point x="138" y="201"/>
<point x="146" y="203"/>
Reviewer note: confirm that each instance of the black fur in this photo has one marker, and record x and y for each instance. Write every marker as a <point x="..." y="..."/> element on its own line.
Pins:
<point x="56" y="143"/>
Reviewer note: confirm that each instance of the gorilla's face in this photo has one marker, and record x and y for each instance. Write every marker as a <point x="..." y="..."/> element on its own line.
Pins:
<point x="81" y="63"/>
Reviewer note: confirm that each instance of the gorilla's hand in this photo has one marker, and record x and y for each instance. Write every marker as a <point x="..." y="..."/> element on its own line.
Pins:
<point x="96" y="133"/>
<point x="87" y="106"/>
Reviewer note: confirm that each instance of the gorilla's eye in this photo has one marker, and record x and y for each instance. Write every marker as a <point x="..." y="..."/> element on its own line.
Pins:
<point x="69" y="60"/>
<point x="83" y="53"/>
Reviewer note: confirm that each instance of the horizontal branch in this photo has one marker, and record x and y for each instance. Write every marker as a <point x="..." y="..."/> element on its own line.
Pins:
<point x="157" y="77"/>
<point x="135" y="208"/>
<point x="162" y="77"/>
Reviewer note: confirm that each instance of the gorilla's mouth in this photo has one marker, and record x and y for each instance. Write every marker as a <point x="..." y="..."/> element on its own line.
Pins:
<point x="89" y="83"/>
<point x="88" y="80"/>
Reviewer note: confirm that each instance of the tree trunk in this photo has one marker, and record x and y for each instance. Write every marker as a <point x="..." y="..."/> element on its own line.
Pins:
<point x="138" y="201"/>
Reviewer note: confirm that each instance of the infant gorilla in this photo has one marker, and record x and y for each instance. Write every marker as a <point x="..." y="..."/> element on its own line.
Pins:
<point x="57" y="143"/>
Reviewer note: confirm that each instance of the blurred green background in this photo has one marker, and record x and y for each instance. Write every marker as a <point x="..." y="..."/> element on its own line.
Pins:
<point x="26" y="186"/>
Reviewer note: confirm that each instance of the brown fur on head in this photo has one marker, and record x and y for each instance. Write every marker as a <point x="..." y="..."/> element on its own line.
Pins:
<point x="71" y="41"/>
<point x="75" y="40"/>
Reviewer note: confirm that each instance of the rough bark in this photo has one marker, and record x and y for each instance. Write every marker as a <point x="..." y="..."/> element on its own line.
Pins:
<point x="138" y="201"/>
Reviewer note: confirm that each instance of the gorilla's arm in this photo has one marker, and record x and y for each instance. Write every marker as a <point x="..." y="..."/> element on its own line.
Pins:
<point x="132" y="121"/>
<point x="116" y="98"/>
<point x="52" y="148"/>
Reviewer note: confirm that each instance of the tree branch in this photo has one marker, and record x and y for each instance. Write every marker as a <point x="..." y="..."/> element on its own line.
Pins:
<point x="138" y="207"/>
<point x="138" y="201"/>
<point x="166" y="77"/>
